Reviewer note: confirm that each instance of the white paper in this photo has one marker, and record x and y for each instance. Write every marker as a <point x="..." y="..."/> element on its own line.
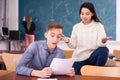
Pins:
<point x="47" y="79"/>
<point x="61" y="66"/>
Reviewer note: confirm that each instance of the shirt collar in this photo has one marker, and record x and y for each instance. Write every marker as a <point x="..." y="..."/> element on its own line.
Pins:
<point x="46" y="48"/>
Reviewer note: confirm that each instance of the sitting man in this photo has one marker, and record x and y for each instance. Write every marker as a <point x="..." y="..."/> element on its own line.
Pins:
<point x="37" y="58"/>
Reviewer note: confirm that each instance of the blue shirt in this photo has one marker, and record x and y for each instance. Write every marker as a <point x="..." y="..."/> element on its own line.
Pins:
<point x="36" y="57"/>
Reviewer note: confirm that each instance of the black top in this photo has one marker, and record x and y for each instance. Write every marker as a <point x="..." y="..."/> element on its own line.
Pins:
<point x="32" y="27"/>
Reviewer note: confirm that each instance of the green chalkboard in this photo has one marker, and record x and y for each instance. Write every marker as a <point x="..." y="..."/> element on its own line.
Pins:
<point x="65" y="12"/>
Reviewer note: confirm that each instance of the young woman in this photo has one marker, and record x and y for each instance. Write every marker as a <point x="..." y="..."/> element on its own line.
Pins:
<point x="89" y="39"/>
<point x="29" y="26"/>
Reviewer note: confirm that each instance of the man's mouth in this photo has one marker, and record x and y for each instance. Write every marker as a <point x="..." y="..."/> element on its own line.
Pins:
<point x="54" y="43"/>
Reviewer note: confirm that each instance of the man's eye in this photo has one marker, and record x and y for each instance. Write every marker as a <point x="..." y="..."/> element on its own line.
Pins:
<point x="59" y="36"/>
<point x="52" y="35"/>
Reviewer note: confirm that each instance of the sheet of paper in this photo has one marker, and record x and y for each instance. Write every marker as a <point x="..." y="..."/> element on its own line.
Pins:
<point x="61" y="66"/>
<point x="47" y="79"/>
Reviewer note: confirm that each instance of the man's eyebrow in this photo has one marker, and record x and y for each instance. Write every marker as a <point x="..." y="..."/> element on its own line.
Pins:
<point x="59" y="34"/>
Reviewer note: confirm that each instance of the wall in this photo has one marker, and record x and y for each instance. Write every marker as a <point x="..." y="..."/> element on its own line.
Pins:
<point x="10" y="19"/>
<point x="12" y="14"/>
<point x="1" y="15"/>
<point x="118" y="20"/>
<point x="65" y="12"/>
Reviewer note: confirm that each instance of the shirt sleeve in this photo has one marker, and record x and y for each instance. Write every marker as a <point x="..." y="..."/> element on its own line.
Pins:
<point x="101" y="34"/>
<point x="24" y="24"/>
<point x="73" y="39"/>
<point x="26" y="58"/>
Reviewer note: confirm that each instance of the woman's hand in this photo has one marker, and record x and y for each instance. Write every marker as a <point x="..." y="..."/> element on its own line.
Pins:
<point x="65" y="39"/>
<point x="71" y="72"/>
<point x="24" y="18"/>
<point x="104" y="40"/>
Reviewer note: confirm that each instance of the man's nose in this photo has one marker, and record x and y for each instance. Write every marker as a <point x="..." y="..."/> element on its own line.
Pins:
<point x="55" y="39"/>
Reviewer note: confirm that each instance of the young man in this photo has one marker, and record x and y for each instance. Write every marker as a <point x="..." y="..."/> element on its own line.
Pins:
<point x="38" y="56"/>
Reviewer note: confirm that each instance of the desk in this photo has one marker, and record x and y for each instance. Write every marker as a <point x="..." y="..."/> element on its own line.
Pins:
<point x="5" y="45"/>
<point x="8" y="75"/>
<point x="10" y="45"/>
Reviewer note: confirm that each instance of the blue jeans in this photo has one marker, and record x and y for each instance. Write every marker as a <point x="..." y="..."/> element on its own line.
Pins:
<point x="98" y="57"/>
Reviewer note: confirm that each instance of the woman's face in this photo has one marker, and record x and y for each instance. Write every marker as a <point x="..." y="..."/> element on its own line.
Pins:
<point x="86" y="15"/>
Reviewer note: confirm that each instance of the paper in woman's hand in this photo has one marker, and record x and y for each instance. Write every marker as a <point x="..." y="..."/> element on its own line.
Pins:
<point x="61" y="66"/>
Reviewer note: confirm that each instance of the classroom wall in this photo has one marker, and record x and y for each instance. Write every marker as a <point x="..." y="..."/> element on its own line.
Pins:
<point x="65" y="12"/>
<point x="1" y="15"/>
<point x="117" y="20"/>
<point x="12" y="14"/>
<point x="8" y="15"/>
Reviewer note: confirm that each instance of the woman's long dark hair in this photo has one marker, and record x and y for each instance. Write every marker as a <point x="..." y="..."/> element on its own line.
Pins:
<point x="29" y="18"/>
<point x="90" y="6"/>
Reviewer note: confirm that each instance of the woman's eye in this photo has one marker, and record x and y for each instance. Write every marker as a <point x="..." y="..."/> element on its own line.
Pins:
<point x="82" y="14"/>
<point x="87" y="13"/>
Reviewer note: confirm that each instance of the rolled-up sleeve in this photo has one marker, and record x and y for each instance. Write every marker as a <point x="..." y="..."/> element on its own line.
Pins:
<point x="22" y="67"/>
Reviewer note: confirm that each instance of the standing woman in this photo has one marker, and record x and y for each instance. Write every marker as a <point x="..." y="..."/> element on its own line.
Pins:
<point x="29" y="26"/>
<point x="88" y="39"/>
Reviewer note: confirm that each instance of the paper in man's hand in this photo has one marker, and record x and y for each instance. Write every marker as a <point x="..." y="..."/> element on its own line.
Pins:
<point x="61" y="66"/>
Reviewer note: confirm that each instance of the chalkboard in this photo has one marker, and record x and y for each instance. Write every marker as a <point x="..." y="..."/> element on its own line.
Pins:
<point x="65" y="12"/>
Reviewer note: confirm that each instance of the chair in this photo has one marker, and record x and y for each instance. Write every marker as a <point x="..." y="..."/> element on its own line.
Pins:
<point x="90" y="70"/>
<point x="68" y="53"/>
<point x="115" y="61"/>
<point x="112" y="63"/>
<point x="116" y="54"/>
<point x="11" y="60"/>
<point x="2" y="66"/>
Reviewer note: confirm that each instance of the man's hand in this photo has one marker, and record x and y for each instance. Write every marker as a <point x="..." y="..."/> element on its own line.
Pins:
<point x="71" y="72"/>
<point x="44" y="73"/>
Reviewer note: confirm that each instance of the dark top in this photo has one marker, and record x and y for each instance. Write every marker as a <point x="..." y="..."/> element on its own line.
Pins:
<point x="32" y="27"/>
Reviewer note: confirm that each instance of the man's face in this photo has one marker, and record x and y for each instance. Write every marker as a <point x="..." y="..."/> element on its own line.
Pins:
<point x="53" y="37"/>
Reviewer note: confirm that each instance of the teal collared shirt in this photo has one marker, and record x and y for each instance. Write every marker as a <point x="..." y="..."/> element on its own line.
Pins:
<point x="36" y="57"/>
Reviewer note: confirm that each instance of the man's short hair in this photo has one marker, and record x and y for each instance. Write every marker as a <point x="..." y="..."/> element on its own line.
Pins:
<point x="54" y="25"/>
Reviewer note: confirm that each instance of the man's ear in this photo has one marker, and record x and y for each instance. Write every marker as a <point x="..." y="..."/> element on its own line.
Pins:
<point x="45" y="34"/>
